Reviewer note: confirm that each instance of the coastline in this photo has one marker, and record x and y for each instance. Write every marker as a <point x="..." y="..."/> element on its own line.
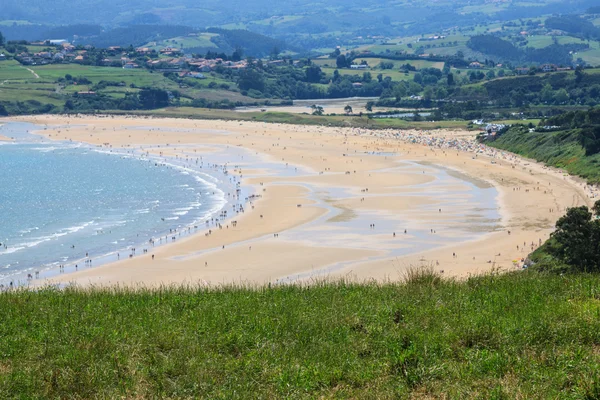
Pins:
<point x="252" y="254"/>
<point x="192" y="216"/>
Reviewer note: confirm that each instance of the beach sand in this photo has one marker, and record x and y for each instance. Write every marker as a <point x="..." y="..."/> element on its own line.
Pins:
<point x="321" y="192"/>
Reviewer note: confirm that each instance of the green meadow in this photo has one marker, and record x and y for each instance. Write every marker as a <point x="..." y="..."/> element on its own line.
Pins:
<point x="518" y="335"/>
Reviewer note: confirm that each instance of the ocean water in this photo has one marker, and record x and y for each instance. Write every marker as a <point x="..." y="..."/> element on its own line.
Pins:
<point x="59" y="201"/>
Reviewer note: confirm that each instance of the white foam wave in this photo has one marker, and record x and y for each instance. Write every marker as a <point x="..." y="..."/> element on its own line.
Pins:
<point x="43" y="239"/>
<point x="29" y="230"/>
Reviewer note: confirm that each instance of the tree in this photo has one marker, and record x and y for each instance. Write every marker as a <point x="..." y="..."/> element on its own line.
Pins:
<point x="154" y="98"/>
<point x="317" y="110"/>
<point x="596" y="208"/>
<point x="579" y="74"/>
<point x="341" y="61"/>
<point x="578" y="239"/>
<point x="428" y="93"/>
<point x="561" y="96"/>
<point x="1" y="39"/>
<point x="251" y="79"/>
<point x="400" y="91"/>
<point x="369" y="106"/>
<point x="547" y="94"/>
<point x="348" y="110"/>
<point x="450" y="79"/>
<point x="336" y="76"/>
<point x="313" y="74"/>
<point x="275" y="52"/>
<point x="237" y="54"/>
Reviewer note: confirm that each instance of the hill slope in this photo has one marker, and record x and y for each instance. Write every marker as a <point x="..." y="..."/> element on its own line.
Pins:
<point x="574" y="146"/>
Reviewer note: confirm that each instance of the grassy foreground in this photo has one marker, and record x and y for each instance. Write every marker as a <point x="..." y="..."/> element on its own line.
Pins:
<point x="522" y="335"/>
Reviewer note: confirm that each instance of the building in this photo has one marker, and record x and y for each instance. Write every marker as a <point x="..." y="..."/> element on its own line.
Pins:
<point x="170" y="51"/>
<point x="548" y="68"/>
<point x="476" y="65"/>
<point x="2" y="57"/>
<point x="361" y="66"/>
<point x="130" y="65"/>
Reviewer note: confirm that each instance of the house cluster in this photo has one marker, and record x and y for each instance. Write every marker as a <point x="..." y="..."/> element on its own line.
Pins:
<point x="491" y="130"/>
<point x="196" y="65"/>
<point x="206" y="65"/>
<point x="553" y="68"/>
<point x="431" y="38"/>
<point x="65" y="52"/>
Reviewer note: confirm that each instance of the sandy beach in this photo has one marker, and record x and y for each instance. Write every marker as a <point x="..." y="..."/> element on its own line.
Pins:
<point x="337" y="202"/>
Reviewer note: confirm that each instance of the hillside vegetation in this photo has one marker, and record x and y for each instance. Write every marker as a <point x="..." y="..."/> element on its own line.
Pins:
<point x="521" y="335"/>
<point x="574" y="145"/>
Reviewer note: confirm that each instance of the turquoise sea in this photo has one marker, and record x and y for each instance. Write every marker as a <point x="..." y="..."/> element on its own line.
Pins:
<point x="61" y="201"/>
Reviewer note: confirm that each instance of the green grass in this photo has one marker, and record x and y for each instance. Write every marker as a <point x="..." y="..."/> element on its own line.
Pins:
<point x="294" y="118"/>
<point x="396" y="75"/>
<point x="521" y="335"/>
<point x="419" y="64"/>
<point x="12" y="70"/>
<point x="539" y="41"/>
<point x="17" y="83"/>
<point x="560" y="149"/>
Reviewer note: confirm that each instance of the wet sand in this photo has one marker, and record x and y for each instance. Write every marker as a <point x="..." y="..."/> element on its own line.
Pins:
<point x="336" y="202"/>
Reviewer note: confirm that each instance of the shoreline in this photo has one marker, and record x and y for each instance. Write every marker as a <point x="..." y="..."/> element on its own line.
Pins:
<point x="186" y="229"/>
<point x="367" y="260"/>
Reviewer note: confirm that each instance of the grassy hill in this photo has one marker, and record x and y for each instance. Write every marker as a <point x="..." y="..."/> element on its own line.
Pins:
<point x="573" y="146"/>
<point x="43" y="84"/>
<point x="521" y="335"/>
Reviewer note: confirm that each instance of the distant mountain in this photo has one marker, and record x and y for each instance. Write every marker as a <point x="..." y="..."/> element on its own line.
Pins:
<point x="347" y="14"/>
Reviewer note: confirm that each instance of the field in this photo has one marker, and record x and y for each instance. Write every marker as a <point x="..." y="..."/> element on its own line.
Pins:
<point x="396" y="75"/>
<point x="418" y="64"/>
<point x="17" y="83"/>
<point x="519" y="335"/>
